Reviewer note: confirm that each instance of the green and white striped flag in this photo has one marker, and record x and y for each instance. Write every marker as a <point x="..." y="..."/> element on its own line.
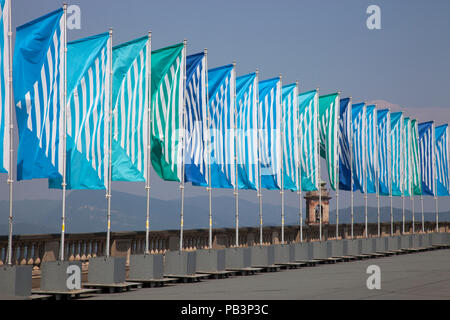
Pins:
<point x="415" y="162"/>
<point x="168" y="69"/>
<point x="328" y="126"/>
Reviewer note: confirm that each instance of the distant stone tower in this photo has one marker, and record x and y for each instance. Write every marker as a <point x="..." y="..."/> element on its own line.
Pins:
<point x="312" y="206"/>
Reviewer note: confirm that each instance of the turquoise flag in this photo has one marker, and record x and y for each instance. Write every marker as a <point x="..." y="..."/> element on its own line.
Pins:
<point x="130" y="123"/>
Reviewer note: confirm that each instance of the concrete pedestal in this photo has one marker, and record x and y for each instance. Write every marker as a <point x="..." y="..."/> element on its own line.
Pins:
<point x="146" y="266"/>
<point x="426" y="239"/>
<point x="335" y="248"/>
<point x="180" y="263"/>
<point x="380" y="244"/>
<point x="54" y="275"/>
<point x="319" y="250"/>
<point x="210" y="260"/>
<point x="368" y="246"/>
<point x="302" y="251"/>
<point x="238" y="258"/>
<point x="106" y="270"/>
<point x="262" y="256"/>
<point x="405" y="242"/>
<point x="439" y="238"/>
<point x="15" y="281"/>
<point x="392" y="243"/>
<point x="284" y="253"/>
<point x="354" y="247"/>
<point x="416" y="241"/>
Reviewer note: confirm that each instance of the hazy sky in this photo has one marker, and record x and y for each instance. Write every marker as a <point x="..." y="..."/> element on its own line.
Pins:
<point x="321" y="43"/>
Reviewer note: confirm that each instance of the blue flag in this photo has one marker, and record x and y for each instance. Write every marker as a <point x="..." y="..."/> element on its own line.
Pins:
<point x="426" y="152"/>
<point x="358" y="145"/>
<point x="290" y="137"/>
<point x="441" y="160"/>
<point x="88" y="123"/>
<point x="384" y="123"/>
<point x="270" y="125"/>
<point x="5" y="94"/>
<point x="396" y="153"/>
<point x="196" y="151"/>
<point x="222" y="86"/>
<point x="344" y="134"/>
<point x="130" y="125"/>
<point x="247" y="132"/>
<point x="371" y="149"/>
<point x="38" y="92"/>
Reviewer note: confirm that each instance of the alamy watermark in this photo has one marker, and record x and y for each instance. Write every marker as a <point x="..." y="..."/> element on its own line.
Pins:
<point x="73" y="17"/>
<point x="373" y="22"/>
<point x="374" y="280"/>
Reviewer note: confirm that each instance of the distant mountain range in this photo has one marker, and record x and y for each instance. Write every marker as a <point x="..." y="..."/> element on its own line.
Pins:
<point x="86" y="212"/>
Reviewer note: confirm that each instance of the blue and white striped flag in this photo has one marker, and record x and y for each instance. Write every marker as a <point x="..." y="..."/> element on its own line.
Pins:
<point x="344" y="134"/>
<point x="309" y="153"/>
<point x="270" y="138"/>
<point x="371" y="149"/>
<point x="39" y="96"/>
<point x="290" y="137"/>
<point x="406" y="172"/>
<point x="426" y="153"/>
<point x="384" y="128"/>
<point x="396" y="153"/>
<point x="222" y="86"/>
<point x="196" y="144"/>
<point x="130" y="125"/>
<point x="88" y="121"/>
<point x="247" y="131"/>
<point x="358" y="145"/>
<point x="441" y="161"/>
<point x="5" y="96"/>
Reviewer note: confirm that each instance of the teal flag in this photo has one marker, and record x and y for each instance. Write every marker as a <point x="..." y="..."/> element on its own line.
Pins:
<point x="130" y="123"/>
<point x="309" y="154"/>
<point x="396" y="153"/>
<point x="415" y="162"/>
<point x="328" y="126"/>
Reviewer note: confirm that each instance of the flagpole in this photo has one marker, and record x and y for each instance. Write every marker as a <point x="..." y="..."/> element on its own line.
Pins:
<point x="64" y="182"/>
<point x="300" y="136"/>
<point x="351" y="167"/>
<point x="108" y="192"/>
<point x="236" y="186"/>
<point x="259" y="193"/>
<point x="320" y="187"/>
<point x="365" y="171"/>
<point x="423" y="217"/>
<point x="377" y="172"/>
<point x="390" y="173"/>
<point x="11" y="139"/>
<point x="209" y="189"/>
<point x="282" y="163"/>
<point x="337" y="168"/>
<point x="435" y="178"/>
<point x="147" y="185"/>
<point x="182" y="148"/>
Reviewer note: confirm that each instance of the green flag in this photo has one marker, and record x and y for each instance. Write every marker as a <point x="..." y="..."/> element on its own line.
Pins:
<point x="328" y="125"/>
<point x="168" y="69"/>
<point x="415" y="164"/>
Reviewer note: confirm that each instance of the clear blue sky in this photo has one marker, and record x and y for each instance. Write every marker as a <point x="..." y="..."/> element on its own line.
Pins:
<point x="321" y="43"/>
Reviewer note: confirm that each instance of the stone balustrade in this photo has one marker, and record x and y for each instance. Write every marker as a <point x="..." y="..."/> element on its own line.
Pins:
<point x="34" y="249"/>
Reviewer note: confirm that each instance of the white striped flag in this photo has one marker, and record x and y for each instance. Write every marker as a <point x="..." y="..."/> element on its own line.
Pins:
<point x="5" y="94"/>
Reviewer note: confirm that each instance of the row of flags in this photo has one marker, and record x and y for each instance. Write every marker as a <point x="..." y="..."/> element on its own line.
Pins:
<point x="128" y="106"/>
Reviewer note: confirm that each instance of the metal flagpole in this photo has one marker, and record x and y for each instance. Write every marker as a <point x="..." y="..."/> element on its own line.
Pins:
<point x="410" y="169"/>
<point x="320" y="186"/>
<point x="64" y="184"/>
<point x="377" y="172"/>
<point x="236" y="187"/>
<point x="282" y="164"/>
<point x="351" y="167"/>
<point x="390" y="173"/>
<point x="149" y="117"/>
<point x="182" y="147"/>
<point x="299" y="133"/>
<point x="435" y="180"/>
<point x="365" y="171"/>
<point x="259" y="193"/>
<point x="11" y="138"/>
<point x="337" y="168"/>
<point x="209" y="189"/>
<point x="108" y="192"/>
<point x="423" y="217"/>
